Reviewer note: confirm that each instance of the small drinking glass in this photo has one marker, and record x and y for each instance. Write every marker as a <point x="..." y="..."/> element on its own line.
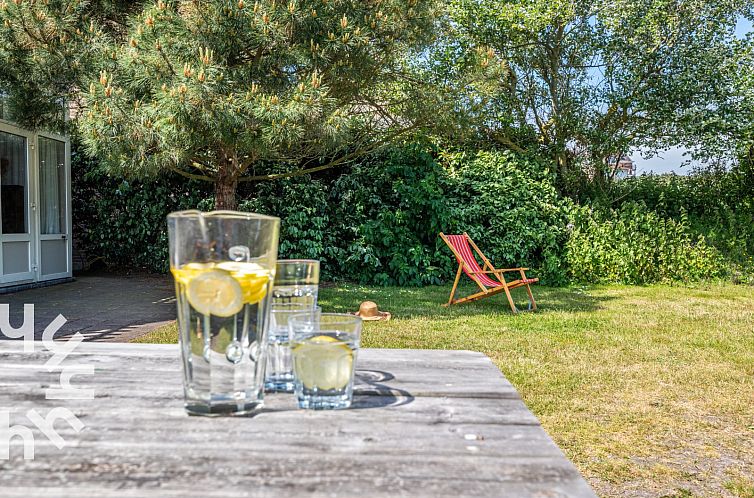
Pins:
<point x="324" y="348"/>
<point x="296" y="281"/>
<point x="279" y="363"/>
<point x="223" y="263"/>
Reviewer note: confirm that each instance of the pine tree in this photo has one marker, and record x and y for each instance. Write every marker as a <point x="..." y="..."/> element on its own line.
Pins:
<point x="215" y="89"/>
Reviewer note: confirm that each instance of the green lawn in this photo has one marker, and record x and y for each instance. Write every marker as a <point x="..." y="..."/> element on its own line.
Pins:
<point x="649" y="390"/>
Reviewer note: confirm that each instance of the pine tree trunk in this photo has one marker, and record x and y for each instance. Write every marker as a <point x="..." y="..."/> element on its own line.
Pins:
<point x="225" y="193"/>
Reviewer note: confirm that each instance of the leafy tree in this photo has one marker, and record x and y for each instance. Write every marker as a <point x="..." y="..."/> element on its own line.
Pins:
<point x="727" y="134"/>
<point x="590" y="80"/>
<point x="215" y="90"/>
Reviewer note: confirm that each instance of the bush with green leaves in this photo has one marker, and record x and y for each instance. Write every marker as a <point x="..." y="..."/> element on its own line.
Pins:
<point x="635" y="245"/>
<point x="387" y="213"/>
<point x="123" y="223"/>
<point x="378" y="221"/>
<point x="718" y="205"/>
<point x="301" y="203"/>
<point x="509" y="206"/>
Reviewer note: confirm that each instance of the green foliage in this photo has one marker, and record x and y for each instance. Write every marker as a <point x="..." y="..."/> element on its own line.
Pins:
<point x="217" y="90"/>
<point x="595" y="79"/>
<point x="301" y="203"/>
<point x="717" y="203"/>
<point x="50" y="50"/>
<point x="388" y="217"/>
<point x="122" y="222"/>
<point x="509" y="206"/>
<point x="198" y="85"/>
<point x="637" y="246"/>
<point x="390" y="209"/>
<point x="377" y="223"/>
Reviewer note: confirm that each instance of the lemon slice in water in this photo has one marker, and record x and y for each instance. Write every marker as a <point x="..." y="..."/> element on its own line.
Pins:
<point x="323" y="362"/>
<point x="215" y="292"/>
<point x="185" y="273"/>
<point x="254" y="297"/>
<point x="252" y="278"/>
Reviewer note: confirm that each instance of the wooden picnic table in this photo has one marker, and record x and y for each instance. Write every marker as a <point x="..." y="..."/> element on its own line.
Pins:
<point x="423" y="423"/>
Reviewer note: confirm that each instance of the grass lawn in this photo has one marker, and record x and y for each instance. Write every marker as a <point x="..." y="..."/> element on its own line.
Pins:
<point x="649" y="390"/>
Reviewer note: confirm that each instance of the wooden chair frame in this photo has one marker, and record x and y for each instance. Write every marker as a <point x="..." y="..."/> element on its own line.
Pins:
<point x="491" y="270"/>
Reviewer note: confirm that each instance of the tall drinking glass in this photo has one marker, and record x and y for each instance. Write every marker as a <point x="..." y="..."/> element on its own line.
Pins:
<point x="223" y="263"/>
<point x="279" y="363"/>
<point x="296" y="281"/>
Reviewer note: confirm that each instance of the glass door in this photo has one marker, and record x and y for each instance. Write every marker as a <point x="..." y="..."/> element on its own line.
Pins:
<point x="54" y="209"/>
<point x="16" y="245"/>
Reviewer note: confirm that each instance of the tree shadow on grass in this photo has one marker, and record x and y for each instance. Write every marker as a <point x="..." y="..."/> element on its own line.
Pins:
<point x="426" y="302"/>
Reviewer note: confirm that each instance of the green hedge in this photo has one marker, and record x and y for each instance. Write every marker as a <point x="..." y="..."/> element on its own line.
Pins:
<point x="123" y="222"/>
<point x="715" y="204"/>
<point x="377" y="222"/>
<point x="510" y="207"/>
<point x="636" y="246"/>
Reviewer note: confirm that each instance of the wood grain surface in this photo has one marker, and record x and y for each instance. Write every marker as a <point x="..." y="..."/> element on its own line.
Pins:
<point x="423" y="423"/>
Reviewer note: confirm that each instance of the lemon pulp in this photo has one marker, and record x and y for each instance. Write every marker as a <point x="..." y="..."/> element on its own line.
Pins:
<point x="188" y="271"/>
<point x="323" y="362"/>
<point x="251" y="277"/>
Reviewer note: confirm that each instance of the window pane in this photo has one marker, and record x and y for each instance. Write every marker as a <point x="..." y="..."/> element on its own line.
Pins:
<point x="13" y="187"/>
<point x="52" y="186"/>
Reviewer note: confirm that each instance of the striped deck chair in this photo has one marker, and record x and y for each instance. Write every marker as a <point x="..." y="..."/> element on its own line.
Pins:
<point x="461" y="245"/>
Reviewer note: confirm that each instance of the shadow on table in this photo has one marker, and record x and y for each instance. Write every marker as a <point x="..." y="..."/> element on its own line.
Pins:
<point x="371" y="392"/>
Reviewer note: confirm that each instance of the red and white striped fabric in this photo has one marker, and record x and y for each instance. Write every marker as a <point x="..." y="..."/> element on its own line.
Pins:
<point x="462" y="247"/>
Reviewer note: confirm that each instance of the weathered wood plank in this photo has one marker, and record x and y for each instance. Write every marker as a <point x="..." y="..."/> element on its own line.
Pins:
<point x="384" y="435"/>
<point x="431" y="373"/>
<point x="253" y="474"/>
<point x="426" y="423"/>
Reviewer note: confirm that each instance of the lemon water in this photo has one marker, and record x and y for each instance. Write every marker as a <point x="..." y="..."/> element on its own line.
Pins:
<point x="324" y="367"/>
<point x="222" y="308"/>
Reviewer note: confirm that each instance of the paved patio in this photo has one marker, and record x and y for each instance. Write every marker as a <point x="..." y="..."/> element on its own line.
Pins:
<point x="109" y="308"/>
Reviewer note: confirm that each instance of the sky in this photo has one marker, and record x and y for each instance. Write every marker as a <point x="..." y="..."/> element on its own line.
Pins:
<point x="672" y="160"/>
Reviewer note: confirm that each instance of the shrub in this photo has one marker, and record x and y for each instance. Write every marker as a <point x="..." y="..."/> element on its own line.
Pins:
<point x="717" y="204"/>
<point x="301" y="203"/>
<point x="509" y="206"/>
<point x="388" y="211"/>
<point x="637" y="246"/>
<point x="378" y="221"/>
<point x="123" y="222"/>
<point x="391" y="208"/>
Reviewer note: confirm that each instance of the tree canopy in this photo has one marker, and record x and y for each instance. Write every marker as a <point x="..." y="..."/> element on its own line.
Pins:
<point x="587" y="81"/>
<point x="233" y="91"/>
<point x="215" y="89"/>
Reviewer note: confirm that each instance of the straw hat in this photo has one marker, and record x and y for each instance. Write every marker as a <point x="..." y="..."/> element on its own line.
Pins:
<point x="369" y="311"/>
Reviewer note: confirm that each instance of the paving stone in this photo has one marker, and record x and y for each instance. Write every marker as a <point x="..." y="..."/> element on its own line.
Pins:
<point x="108" y="308"/>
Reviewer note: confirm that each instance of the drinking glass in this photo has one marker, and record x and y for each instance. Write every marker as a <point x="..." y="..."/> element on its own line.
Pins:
<point x="296" y="281"/>
<point x="279" y="363"/>
<point x="324" y="348"/>
<point x="223" y="264"/>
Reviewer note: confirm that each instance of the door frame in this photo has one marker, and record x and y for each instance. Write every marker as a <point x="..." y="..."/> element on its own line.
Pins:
<point x="31" y="236"/>
<point x="34" y="237"/>
<point x="68" y="235"/>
